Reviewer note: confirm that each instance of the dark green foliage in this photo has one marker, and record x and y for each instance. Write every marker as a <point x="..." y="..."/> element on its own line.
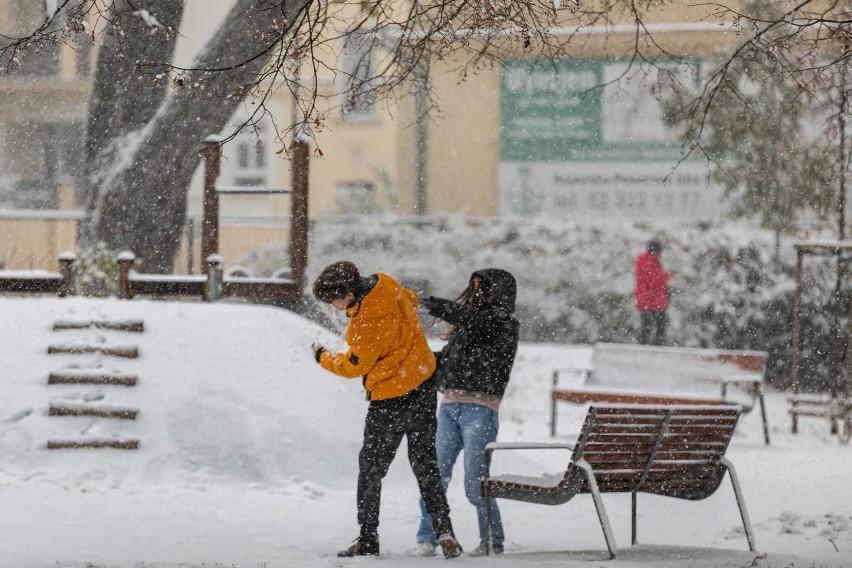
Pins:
<point x="769" y="142"/>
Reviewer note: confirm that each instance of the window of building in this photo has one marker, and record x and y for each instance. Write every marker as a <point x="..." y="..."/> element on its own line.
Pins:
<point x="22" y="19"/>
<point x="250" y="163"/>
<point x="356" y="198"/>
<point x="83" y="51"/>
<point x="357" y="67"/>
<point x="44" y="157"/>
<point x="62" y="160"/>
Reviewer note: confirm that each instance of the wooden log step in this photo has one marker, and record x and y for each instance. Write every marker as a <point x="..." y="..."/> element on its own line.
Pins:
<point x="99" y="412"/>
<point x="81" y="378"/>
<point x="127" y="352"/>
<point x="97" y="444"/>
<point x="136" y="326"/>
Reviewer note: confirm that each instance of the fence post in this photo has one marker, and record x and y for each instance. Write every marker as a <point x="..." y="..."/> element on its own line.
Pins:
<point x="299" y="213"/>
<point x="125" y="262"/>
<point x="213" y="269"/>
<point x="797" y="335"/>
<point x="68" y="286"/>
<point x="212" y="153"/>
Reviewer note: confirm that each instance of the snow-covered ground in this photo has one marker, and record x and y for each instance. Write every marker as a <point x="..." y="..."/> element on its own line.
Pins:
<point x="248" y="458"/>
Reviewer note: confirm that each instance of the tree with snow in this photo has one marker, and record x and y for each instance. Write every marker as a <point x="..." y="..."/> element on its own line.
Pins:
<point x="771" y="116"/>
<point x="148" y="118"/>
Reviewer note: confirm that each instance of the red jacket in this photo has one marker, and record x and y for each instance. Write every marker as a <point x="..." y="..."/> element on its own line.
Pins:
<point x="652" y="290"/>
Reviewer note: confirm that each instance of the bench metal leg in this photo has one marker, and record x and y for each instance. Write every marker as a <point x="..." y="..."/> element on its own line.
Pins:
<point x="740" y="502"/>
<point x="489" y="538"/>
<point x="633" y="519"/>
<point x="486" y="494"/>
<point x="553" y="381"/>
<point x="762" y="400"/>
<point x="552" y="417"/>
<point x="758" y="391"/>
<point x="596" y="497"/>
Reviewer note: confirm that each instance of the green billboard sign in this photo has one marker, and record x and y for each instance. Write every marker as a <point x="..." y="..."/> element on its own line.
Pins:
<point x="587" y="110"/>
<point x="549" y="108"/>
<point x="587" y="138"/>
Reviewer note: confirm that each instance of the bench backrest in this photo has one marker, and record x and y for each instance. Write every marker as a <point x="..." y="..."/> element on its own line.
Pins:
<point x="665" y="450"/>
<point x="670" y="369"/>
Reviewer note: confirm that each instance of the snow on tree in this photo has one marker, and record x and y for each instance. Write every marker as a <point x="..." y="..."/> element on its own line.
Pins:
<point x="148" y="118"/>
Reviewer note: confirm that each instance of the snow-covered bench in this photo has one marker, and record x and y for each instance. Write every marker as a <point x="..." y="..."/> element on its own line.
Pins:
<point x="643" y="374"/>
<point x="674" y="451"/>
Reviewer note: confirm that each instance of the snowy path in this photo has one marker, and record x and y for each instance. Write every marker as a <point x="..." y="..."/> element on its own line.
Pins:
<point x="249" y="453"/>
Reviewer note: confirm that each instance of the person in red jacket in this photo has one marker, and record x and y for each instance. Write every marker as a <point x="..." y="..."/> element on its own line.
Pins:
<point x="651" y="294"/>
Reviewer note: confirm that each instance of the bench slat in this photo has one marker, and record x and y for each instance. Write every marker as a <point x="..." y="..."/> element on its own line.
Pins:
<point x="631" y="438"/>
<point x="686" y="427"/>
<point x="615" y="428"/>
<point x="655" y="476"/>
<point x="660" y="411"/>
<point x="641" y="441"/>
<point x="626" y="419"/>
<point x="629" y="398"/>
<point x="674" y="422"/>
<point x="603" y="462"/>
<point x="667" y="486"/>
<point x="697" y="436"/>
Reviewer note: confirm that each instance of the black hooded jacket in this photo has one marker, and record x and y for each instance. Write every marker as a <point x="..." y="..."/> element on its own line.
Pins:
<point x="480" y="354"/>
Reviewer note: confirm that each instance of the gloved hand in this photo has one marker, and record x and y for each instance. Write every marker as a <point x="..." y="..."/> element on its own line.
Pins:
<point x="317" y="349"/>
<point x="430" y="303"/>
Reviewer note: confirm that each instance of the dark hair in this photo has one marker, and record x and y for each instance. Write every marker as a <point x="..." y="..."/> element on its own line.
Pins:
<point x="655" y="246"/>
<point x="336" y="280"/>
<point x="475" y="295"/>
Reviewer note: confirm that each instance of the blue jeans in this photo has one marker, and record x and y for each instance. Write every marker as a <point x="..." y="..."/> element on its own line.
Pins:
<point x="468" y="427"/>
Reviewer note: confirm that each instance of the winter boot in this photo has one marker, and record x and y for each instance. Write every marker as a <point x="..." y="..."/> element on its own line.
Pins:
<point x="423" y="550"/>
<point x="364" y="545"/>
<point x="482" y="550"/>
<point x="450" y="546"/>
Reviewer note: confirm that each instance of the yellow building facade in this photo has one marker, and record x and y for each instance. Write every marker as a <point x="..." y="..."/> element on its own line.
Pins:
<point x="501" y="141"/>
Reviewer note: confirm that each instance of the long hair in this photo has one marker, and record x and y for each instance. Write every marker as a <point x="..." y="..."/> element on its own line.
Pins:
<point x="474" y="296"/>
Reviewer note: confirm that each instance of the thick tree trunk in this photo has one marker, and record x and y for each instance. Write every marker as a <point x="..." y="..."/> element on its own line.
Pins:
<point x="124" y="96"/>
<point x="142" y="205"/>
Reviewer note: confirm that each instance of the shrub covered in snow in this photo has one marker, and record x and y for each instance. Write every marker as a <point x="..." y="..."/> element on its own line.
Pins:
<point x="575" y="280"/>
<point x="96" y="269"/>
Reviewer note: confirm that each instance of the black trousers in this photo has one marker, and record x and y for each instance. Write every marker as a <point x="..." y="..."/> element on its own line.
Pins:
<point x="652" y="327"/>
<point x="411" y="415"/>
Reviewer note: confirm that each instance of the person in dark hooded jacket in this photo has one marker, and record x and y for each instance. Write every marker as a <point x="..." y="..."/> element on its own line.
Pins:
<point x="473" y="371"/>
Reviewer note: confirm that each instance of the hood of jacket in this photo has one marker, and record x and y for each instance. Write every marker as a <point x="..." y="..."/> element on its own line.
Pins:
<point x="500" y="286"/>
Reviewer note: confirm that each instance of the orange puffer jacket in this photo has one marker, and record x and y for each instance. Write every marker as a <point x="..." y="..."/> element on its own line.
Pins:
<point x="387" y="346"/>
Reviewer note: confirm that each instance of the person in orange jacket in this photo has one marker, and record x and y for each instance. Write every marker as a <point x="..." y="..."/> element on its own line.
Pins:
<point x="388" y="350"/>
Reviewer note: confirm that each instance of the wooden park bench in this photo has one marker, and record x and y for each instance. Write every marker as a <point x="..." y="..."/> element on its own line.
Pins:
<point x="836" y="409"/>
<point x="674" y="451"/>
<point x="644" y="374"/>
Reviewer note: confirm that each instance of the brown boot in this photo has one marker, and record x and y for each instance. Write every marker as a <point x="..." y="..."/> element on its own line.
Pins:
<point x="362" y="546"/>
<point x="450" y="546"/>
